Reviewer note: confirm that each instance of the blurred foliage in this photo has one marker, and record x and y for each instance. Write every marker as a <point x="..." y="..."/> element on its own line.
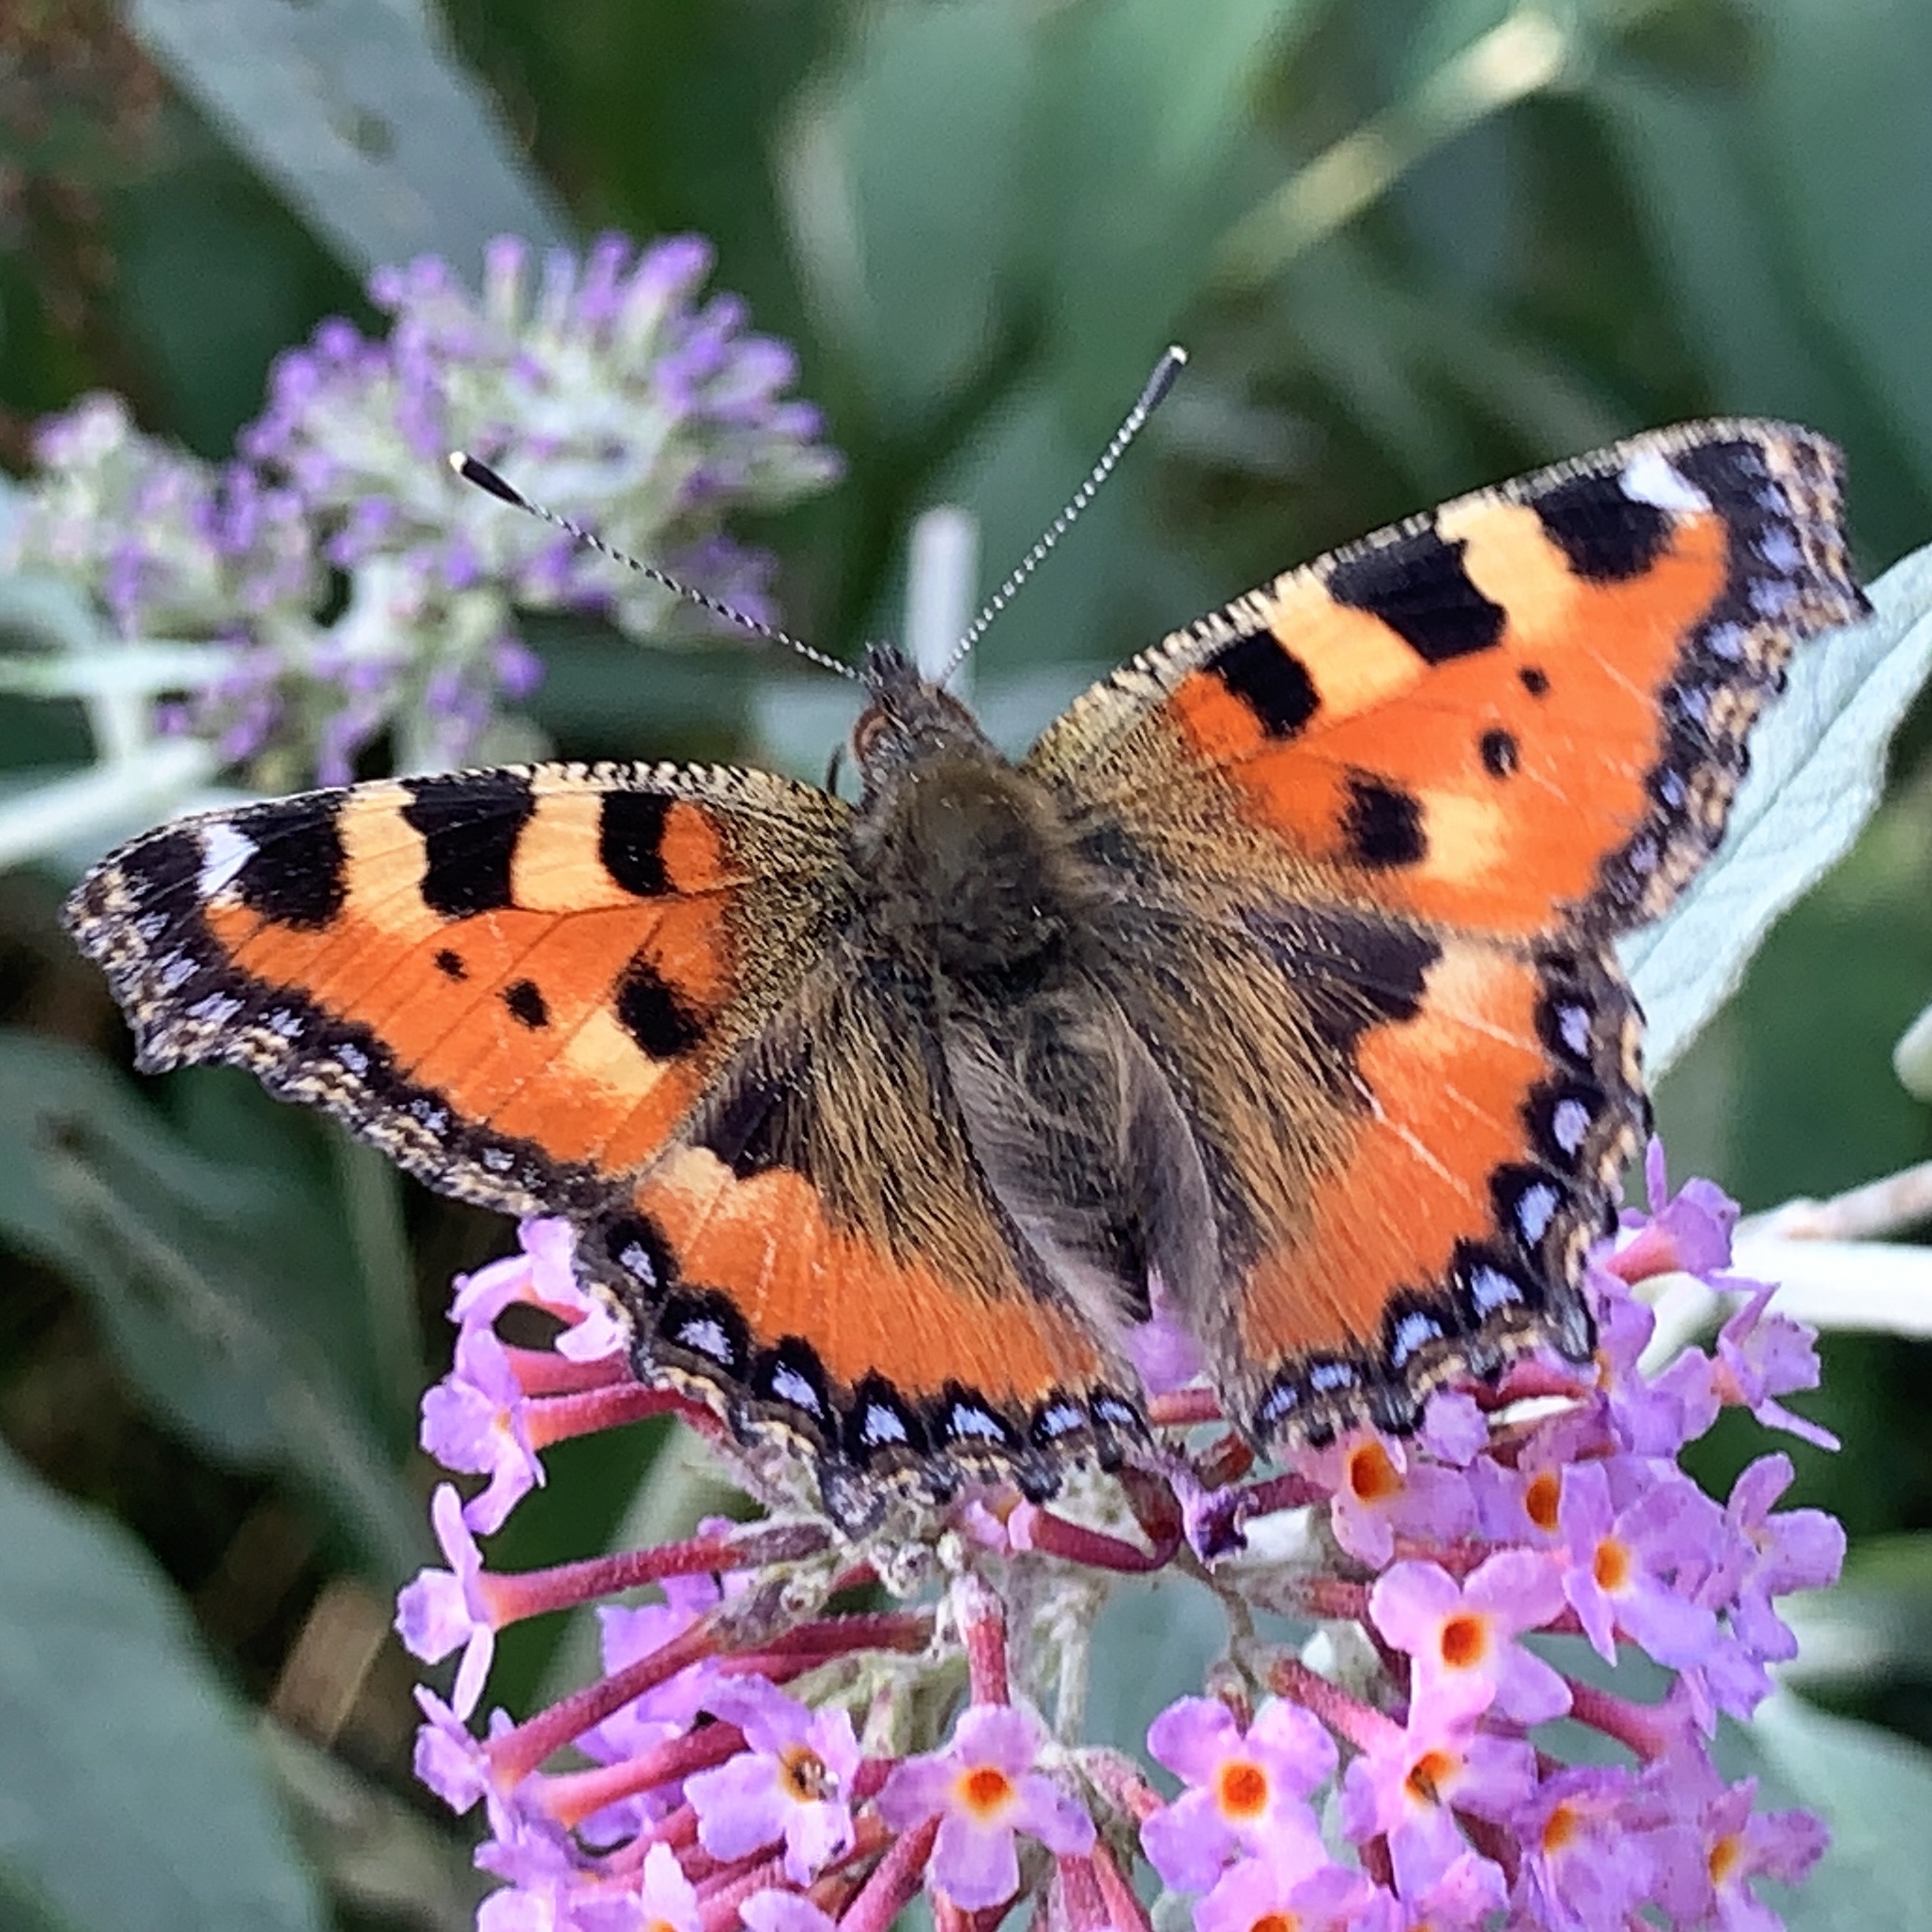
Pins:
<point x="1413" y="247"/>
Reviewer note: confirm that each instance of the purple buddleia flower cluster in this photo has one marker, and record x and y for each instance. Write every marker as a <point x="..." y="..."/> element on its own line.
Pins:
<point x="334" y="583"/>
<point x="767" y="1749"/>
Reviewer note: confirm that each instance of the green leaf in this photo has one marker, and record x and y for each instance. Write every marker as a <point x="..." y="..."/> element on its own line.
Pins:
<point x="1818" y="768"/>
<point x="1872" y="1787"/>
<point x="1844" y="125"/>
<point x="1874" y="1628"/>
<point x="903" y="200"/>
<point x="360" y="114"/>
<point x="1693" y="178"/>
<point x="205" y="1276"/>
<point x="1146" y="145"/>
<point x="130" y="1794"/>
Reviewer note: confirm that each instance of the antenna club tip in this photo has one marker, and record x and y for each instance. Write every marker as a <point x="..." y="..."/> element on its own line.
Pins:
<point x="1176" y="353"/>
<point x="485" y="478"/>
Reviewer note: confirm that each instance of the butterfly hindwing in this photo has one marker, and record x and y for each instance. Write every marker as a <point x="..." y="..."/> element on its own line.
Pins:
<point x="821" y="1248"/>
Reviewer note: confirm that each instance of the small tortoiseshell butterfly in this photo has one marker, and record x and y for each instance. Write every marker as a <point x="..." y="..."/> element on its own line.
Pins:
<point x="1273" y="990"/>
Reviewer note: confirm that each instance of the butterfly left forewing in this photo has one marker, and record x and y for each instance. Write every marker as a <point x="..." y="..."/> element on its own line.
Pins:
<point x="1415" y="788"/>
<point x="517" y="982"/>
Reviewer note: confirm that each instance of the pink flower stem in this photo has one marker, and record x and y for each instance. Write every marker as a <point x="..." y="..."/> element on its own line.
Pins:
<point x="517" y="1752"/>
<point x="1331" y="1598"/>
<point x="1119" y="1780"/>
<point x="679" y="1830"/>
<point x="982" y="1627"/>
<point x="894" y="1881"/>
<point x="1034" y="1528"/>
<point x="514" y="1594"/>
<point x="1377" y="1862"/>
<point x="1183" y="1408"/>
<point x="1652" y="1250"/>
<point x="836" y="1637"/>
<point x="1632" y="1725"/>
<point x="1497" y="1845"/>
<point x="1082" y="1904"/>
<point x="1527" y="1379"/>
<point x="1125" y="1912"/>
<point x="583" y="1411"/>
<point x="1223" y="1463"/>
<point x="570" y="1797"/>
<point x="544" y="1372"/>
<point x="1281" y="1492"/>
<point x="1362" y="1724"/>
<point x="1458" y="1558"/>
<point x="721" y="1893"/>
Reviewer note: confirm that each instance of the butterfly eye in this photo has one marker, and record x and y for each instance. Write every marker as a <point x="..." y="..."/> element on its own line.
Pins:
<point x="867" y="733"/>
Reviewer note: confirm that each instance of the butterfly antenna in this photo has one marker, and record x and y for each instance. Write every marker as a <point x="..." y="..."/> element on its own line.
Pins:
<point x="472" y="470"/>
<point x="1173" y="359"/>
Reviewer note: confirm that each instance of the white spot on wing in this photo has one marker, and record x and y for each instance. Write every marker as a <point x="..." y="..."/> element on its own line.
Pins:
<point x="882" y="1426"/>
<point x="788" y="1386"/>
<point x="1573" y="1023"/>
<point x="969" y="1422"/>
<point x="1648" y="478"/>
<point x="223" y="851"/>
<point x="1490" y="1288"/>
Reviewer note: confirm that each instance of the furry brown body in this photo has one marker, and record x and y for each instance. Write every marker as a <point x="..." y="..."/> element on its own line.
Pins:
<point x="971" y="880"/>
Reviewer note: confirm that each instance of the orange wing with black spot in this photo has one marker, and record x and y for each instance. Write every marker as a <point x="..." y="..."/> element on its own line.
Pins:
<point x="1422" y="783"/>
<point x="517" y="983"/>
<point x="625" y="994"/>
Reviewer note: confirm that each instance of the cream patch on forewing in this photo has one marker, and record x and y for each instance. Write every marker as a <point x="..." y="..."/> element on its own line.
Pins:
<point x="601" y="1051"/>
<point x="1357" y="661"/>
<point x="225" y="850"/>
<point x="557" y="866"/>
<point x="383" y="863"/>
<point x="1468" y="835"/>
<point x="1649" y="477"/>
<point x="1509" y="558"/>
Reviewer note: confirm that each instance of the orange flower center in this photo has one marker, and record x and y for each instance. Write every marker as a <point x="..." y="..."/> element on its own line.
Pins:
<point x="1428" y="1774"/>
<point x="1540" y="1499"/>
<point x="803" y="1774"/>
<point x="1244" y="1790"/>
<point x="985" y="1792"/>
<point x="1610" y="1566"/>
<point x="1465" y="1641"/>
<point x="1560" y="1829"/>
<point x="1372" y="1478"/>
<point x="1724" y="1858"/>
<point x="1276" y="1921"/>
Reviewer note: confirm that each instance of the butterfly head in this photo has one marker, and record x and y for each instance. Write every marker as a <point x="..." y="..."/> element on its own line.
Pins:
<point x="908" y="722"/>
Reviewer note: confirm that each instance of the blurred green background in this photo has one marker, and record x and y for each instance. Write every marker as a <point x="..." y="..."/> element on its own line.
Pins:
<point x="1412" y="245"/>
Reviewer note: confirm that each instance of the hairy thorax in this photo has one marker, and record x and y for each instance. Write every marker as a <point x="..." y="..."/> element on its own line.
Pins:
<point x="969" y="871"/>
